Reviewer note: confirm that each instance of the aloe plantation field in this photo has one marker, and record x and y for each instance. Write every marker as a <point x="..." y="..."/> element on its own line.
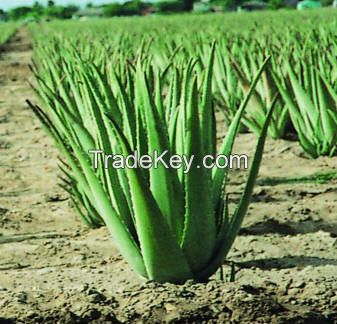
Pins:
<point x="82" y="244"/>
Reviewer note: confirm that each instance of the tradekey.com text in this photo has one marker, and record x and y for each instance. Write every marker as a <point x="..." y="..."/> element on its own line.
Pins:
<point x="157" y="159"/>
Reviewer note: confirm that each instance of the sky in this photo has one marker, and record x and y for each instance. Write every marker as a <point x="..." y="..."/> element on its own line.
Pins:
<point x="8" y="4"/>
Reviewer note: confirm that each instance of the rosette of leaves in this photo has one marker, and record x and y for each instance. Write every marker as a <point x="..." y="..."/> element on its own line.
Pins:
<point x="169" y="225"/>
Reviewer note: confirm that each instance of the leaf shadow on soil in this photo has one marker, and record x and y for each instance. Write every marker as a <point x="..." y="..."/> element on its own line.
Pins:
<point x="272" y="226"/>
<point x="286" y="262"/>
<point x="315" y="178"/>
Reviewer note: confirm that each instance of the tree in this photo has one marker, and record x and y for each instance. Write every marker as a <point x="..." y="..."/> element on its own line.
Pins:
<point x="37" y="9"/>
<point x="326" y="3"/>
<point x="51" y="3"/>
<point x="60" y="12"/>
<point x="113" y="9"/>
<point x="275" y="4"/>
<point x="19" y="13"/>
<point x="230" y="5"/>
<point x="169" y="6"/>
<point x="129" y="8"/>
<point x="69" y="11"/>
<point x="188" y="5"/>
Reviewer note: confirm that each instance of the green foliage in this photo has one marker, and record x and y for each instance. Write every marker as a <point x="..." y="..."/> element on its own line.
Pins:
<point x="112" y="10"/>
<point x="129" y="8"/>
<point x="7" y="30"/>
<point x="326" y="3"/>
<point x="275" y="4"/>
<point x="265" y="95"/>
<point x="244" y="41"/>
<point x="60" y="12"/>
<point x="312" y="103"/>
<point x="19" y="13"/>
<point x="169" y="6"/>
<point x="228" y="4"/>
<point x="38" y="11"/>
<point x="188" y="5"/>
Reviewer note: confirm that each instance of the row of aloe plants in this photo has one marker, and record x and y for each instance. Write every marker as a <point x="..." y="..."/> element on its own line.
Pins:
<point x="235" y="64"/>
<point x="7" y="30"/>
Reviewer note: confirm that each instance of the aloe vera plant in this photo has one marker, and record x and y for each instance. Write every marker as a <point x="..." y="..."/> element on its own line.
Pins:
<point x="155" y="215"/>
<point x="263" y="97"/>
<point x="228" y="92"/>
<point x="312" y="103"/>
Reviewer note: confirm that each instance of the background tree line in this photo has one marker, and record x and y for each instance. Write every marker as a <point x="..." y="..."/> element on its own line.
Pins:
<point x="129" y="8"/>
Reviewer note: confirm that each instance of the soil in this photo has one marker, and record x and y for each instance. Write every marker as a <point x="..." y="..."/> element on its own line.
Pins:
<point x="55" y="270"/>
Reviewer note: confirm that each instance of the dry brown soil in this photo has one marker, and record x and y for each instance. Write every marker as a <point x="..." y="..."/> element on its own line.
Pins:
<point x="54" y="270"/>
